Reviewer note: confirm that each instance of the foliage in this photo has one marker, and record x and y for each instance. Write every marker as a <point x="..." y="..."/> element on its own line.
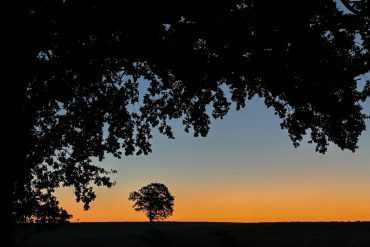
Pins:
<point x="80" y="95"/>
<point x="39" y="207"/>
<point x="155" y="200"/>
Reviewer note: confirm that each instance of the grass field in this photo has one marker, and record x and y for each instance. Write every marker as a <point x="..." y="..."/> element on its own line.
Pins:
<point x="198" y="234"/>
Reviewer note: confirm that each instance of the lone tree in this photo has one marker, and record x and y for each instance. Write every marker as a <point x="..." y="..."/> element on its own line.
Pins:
<point x="155" y="200"/>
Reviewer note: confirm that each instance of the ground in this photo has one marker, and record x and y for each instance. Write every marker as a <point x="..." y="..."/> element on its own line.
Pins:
<point x="336" y="234"/>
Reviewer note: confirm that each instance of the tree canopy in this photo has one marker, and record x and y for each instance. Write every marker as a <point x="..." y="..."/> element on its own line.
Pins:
<point x="155" y="200"/>
<point x="82" y="63"/>
<point x="38" y="207"/>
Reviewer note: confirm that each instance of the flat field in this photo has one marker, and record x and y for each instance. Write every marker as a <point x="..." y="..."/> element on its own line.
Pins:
<point x="188" y="234"/>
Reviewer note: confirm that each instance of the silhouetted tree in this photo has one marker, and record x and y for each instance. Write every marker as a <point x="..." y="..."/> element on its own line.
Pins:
<point x="39" y="207"/>
<point x="80" y="63"/>
<point x="155" y="200"/>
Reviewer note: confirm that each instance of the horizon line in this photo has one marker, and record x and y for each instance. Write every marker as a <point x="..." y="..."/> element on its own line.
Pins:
<point x="232" y="222"/>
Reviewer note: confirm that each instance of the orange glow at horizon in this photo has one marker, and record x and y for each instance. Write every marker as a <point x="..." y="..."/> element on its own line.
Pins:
<point x="267" y="205"/>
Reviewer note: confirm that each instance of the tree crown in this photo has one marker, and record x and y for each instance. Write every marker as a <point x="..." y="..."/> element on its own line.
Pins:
<point x="155" y="200"/>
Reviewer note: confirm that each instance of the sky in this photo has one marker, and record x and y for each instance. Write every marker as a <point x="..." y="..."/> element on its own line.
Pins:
<point x="245" y="170"/>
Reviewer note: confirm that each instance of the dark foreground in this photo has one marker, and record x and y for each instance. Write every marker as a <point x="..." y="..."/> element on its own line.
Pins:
<point x="198" y="234"/>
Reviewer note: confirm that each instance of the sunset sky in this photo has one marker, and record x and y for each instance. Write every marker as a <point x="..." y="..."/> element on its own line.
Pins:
<point x="246" y="170"/>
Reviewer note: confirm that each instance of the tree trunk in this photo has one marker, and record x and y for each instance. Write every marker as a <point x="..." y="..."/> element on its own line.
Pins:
<point x="150" y="216"/>
<point x="14" y="154"/>
<point x="19" y="70"/>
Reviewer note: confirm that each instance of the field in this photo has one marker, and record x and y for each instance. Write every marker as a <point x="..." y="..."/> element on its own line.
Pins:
<point x="198" y="234"/>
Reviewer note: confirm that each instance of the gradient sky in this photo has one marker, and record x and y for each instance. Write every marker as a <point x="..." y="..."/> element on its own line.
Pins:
<point x="246" y="170"/>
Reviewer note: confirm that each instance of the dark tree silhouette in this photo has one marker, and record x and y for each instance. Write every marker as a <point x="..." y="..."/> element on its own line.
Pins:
<point x="356" y="6"/>
<point x="155" y="200"/>
<point x="38" y="207"/>
<point x="79" y="65"/>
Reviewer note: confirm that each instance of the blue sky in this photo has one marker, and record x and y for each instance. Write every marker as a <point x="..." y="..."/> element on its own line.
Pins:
<point x="246" y="169"/>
